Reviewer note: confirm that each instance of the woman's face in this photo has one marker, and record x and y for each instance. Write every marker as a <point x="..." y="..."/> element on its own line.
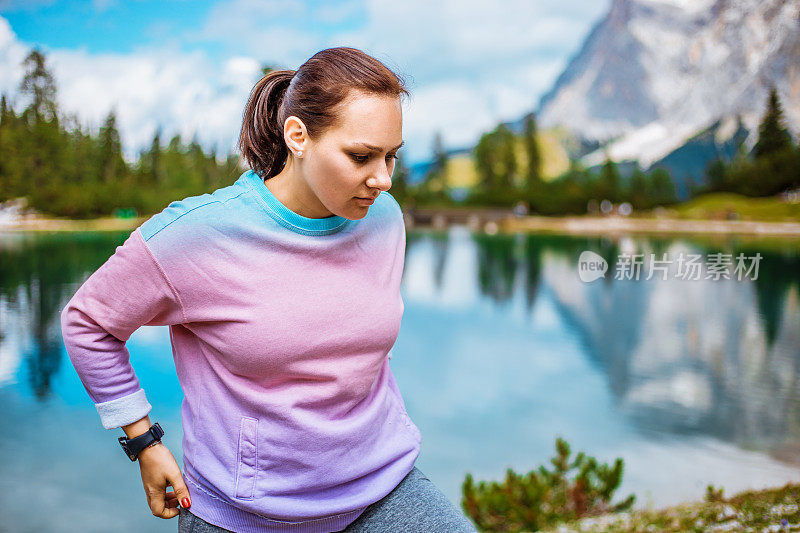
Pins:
<point x="355" y="157"/>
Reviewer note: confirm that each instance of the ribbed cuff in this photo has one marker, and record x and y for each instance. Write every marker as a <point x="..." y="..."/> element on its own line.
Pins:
<point x="123" y="411"/>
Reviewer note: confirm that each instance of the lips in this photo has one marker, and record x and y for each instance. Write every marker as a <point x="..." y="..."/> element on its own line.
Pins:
<point x="365" y="201"/>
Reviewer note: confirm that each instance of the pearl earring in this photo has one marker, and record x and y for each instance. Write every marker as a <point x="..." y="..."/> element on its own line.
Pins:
<point x="299" y="153"/>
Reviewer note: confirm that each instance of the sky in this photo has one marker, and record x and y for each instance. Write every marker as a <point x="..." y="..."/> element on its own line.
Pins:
<point x="187" y="66"/>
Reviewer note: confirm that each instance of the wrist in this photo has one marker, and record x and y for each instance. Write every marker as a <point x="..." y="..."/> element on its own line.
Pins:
<point x="145" y="451"/>
<point x="137" y="428"/>
<point x="134" y="445"/>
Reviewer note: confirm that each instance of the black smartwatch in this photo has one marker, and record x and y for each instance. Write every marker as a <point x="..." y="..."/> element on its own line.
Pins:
<point x="134" y="446"/>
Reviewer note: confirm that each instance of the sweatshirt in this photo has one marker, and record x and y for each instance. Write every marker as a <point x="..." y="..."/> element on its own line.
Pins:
<point x="281" y="329"/>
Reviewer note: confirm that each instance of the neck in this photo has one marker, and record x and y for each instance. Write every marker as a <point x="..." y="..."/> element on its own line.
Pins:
<point x="292" y="190"/>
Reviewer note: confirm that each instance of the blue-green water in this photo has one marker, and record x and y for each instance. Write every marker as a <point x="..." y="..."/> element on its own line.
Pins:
<point x="502" y="348"/>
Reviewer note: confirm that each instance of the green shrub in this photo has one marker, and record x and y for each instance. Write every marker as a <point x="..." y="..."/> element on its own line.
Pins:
<point x="542" y="498"/>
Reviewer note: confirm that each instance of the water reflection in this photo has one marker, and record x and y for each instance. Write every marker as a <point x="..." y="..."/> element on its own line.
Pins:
<point x="502" y="347"/>
<point x="716" y="357"/>
<point x="38" y="274"/>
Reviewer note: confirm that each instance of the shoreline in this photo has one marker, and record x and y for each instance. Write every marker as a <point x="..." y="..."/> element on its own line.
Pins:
<point x="617" y="225"/>
<point x="40" y="223"/>
<point x="573" y="225"/>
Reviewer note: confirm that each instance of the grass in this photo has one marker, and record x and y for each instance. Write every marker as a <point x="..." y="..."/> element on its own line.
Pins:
<point x="730" y="206"/>
<point x="774" y="509"/>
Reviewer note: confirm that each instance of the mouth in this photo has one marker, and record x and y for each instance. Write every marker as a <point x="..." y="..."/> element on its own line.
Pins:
<point x="365" y="201"/>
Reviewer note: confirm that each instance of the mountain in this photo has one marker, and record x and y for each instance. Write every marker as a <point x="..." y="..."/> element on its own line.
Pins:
<point x="687" y="164"/>
<point x="654" y="74"/>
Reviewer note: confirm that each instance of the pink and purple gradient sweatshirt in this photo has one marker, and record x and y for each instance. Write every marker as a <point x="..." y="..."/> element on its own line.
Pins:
<point x="281" y="329"/>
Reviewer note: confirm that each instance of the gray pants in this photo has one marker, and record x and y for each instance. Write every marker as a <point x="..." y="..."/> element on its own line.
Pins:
<point x="415" y="504"/>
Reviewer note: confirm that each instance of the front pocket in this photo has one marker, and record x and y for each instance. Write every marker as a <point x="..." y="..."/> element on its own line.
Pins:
<point x="401" y="408"/>
<point x="247" y="458"/>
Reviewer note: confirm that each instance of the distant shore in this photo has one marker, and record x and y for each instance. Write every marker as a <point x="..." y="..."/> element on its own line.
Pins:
<point x="617" y="225"/>
<point x="44" y="224"/>
<point x="574" y="225"/>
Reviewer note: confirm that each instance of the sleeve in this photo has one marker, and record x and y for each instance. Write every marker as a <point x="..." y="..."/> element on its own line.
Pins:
<point x="128" y="291"/>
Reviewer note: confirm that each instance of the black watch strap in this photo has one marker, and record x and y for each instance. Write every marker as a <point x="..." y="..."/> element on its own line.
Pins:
<point x="135" y="445"/>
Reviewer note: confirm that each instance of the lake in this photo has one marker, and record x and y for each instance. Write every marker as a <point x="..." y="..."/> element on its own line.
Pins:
<point x="691" y="376"/>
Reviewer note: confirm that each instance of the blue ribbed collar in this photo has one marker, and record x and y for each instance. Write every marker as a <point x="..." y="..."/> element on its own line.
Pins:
<point x="288" y="218"/>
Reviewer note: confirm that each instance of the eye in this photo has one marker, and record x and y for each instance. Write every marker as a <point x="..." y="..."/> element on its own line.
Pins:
<point x="359" y="158"/>
<point x="392" y="156"/>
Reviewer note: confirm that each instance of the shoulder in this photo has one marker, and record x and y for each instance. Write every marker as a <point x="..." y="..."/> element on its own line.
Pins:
<point x="190" y="211"/>
<point x="388" y="207"/>
<point x="391" y="200"/>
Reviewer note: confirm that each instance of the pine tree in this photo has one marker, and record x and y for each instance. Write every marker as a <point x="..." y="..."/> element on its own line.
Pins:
<point x="662" y="188"/>
<point x="717" y="175"/>
<point x="399" y="187"/>
<point x="154" y="157"/>
<point x="440" y="160"/>
<point x="42" y="146"/>
<point x="484" y="155"/>
<point x="637" y="190"/>
<point x="38" y="84"/>
<point x="532" y="151"/>
<point x="436" y="177"/>
<point x="507" y="156"/>
<point x="773" y="137"/>
<point x="609" y="182"/>
<point x="5" y="181"/>
<point x="110" y="146"/>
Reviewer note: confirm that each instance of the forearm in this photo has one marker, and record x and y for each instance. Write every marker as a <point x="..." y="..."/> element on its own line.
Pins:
<point x="137" y="428"/>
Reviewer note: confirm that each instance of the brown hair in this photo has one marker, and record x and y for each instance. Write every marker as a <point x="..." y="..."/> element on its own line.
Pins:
<point x="311" y="93"/>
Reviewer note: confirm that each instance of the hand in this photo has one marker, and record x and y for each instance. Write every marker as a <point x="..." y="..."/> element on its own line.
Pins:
<point x="160" y="470"/>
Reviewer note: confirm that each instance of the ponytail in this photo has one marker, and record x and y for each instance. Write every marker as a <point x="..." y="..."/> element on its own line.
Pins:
<point x="261" y="140"/>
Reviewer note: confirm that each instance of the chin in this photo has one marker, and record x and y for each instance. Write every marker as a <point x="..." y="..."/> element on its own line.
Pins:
<point x="357" y="214"/>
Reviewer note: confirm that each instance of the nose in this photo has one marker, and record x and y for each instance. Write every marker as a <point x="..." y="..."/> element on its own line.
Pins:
<point x="382" y="179"/>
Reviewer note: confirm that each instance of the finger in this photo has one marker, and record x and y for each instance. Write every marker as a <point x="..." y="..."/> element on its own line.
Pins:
<point x="172" y="499"/>
<point x="181" y="491"/>
<point x="158" y="504"/>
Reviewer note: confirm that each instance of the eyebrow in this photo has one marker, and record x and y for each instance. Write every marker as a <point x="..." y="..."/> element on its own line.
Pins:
<point x="378" y="148"/>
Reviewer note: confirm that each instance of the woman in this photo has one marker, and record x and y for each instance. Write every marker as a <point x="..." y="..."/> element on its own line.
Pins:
<point x="282" y="293"/>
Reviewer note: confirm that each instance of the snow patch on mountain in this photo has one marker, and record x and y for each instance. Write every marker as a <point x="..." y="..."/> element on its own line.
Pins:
<point x="653" y="73"/>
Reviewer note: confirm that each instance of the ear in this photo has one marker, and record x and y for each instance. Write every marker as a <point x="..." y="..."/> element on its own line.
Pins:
<point x="295" y="134"/>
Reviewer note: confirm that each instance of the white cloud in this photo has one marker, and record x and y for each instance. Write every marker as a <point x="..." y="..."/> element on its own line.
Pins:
<point x="468" y="64"/>
<point x="266" y="29"/>
<point x="183" y="92"/>
<point x="472" y="63"/>
<point x="12" y="53"/>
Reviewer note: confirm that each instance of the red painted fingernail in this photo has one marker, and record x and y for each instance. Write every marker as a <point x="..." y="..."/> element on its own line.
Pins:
<point x="186" y="503"/>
